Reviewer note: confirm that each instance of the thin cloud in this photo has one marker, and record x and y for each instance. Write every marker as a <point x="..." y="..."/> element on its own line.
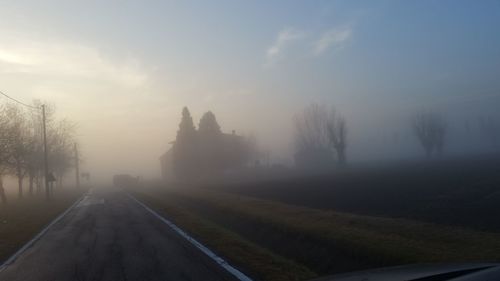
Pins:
<point x="283" y="39"/>
<point x="66" y="59"/>
<point x="333" y="38"/>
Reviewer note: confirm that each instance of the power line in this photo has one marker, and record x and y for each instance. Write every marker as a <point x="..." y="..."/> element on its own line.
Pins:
<point x="20" y="102"/>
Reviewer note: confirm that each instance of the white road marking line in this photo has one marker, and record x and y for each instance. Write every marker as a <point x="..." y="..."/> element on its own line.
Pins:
<point x="87" y="200"/>
<point x="82" y="202"/>
<point x="220" y="261"/>
<point x="39" y="235"/>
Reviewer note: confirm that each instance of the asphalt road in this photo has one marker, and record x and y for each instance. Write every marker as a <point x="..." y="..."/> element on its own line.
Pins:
<point x="108" y="236"/>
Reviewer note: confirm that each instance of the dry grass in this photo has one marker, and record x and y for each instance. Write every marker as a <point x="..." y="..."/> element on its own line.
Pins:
<point x="21" y="219"/>
<point x="413" y="240"/>
<point x="254" y="260"/>
<point x="371" y="241"/>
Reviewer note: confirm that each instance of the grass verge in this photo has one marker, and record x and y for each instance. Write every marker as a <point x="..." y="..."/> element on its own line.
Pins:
<point x="22" y="219"/>
<point x="252" y="259"/>
<point x="327" y="241"/>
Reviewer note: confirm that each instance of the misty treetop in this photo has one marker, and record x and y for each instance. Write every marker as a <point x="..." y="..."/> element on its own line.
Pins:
<point x="185" y="147"/>
<point x="207" y="152"/>
<point x="208" y="124"/>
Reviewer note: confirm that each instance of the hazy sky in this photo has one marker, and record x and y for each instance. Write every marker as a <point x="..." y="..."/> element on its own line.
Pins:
<point x="123" y="69"/>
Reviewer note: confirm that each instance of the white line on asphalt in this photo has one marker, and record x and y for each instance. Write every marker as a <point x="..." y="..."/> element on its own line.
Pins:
<point x="220" y="261"/>
<point x="38" y="236"/>
<point x="88" y="200"/>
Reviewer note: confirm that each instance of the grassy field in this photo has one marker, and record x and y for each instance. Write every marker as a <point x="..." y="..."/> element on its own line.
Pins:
<point x="316" y="242"/>
<point x="21" y="219"/>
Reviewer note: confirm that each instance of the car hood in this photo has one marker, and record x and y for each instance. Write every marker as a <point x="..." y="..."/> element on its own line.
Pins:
<point x="423" y="272"/>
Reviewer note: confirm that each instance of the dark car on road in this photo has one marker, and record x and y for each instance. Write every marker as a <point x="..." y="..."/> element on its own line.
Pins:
<point x="125" y="180"/>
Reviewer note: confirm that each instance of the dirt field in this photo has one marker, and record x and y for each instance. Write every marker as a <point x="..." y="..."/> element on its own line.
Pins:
<point x="461" y="191"/>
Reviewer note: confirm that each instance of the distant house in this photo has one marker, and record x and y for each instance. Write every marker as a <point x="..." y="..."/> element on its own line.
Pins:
<point x="166" y="164"/>
<point x="232" y="155"/>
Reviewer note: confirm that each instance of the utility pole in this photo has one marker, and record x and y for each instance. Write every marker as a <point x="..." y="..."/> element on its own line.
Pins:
<point x="77" y="167"/>
<point x="45" y="154"/>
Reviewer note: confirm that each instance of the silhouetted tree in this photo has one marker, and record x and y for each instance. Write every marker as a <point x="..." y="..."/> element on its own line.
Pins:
<point x="208" y="124"/>
<point x="185" y="148"/>
<point x="21" y="147"/>
<point x="337" y="133"/>
<point x="60" y="147"/>
<point x="20" y="143"/>
<point x="430" y="129"/>
<point x="312" y="145"/>
<point x="4" y="149"/>
<point x="320" y="137"/>
<point x="211" y="150"/>
<point x="490" y="129"/>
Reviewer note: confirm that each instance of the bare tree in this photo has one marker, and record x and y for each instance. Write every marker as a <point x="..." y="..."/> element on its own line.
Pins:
<point x="337" y="134"/>
<point x="312" y="145"/>
<point x="310" y="127"/>
<point x="20" y="143"/>
<point x="430" y="129"/>
<point x="490" y="129"/>
<point x="60" y="146"/>
<point x="34" y="165"/>
<point x="320" y="137"/>
<point x="4" y="150"/>
<point x="21" y="146"/>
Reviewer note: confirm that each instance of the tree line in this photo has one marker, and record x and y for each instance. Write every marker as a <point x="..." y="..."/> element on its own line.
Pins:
<point x="320" y="141"/>
<point x="21" y="147"/>
<point x="321" y="135"/>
